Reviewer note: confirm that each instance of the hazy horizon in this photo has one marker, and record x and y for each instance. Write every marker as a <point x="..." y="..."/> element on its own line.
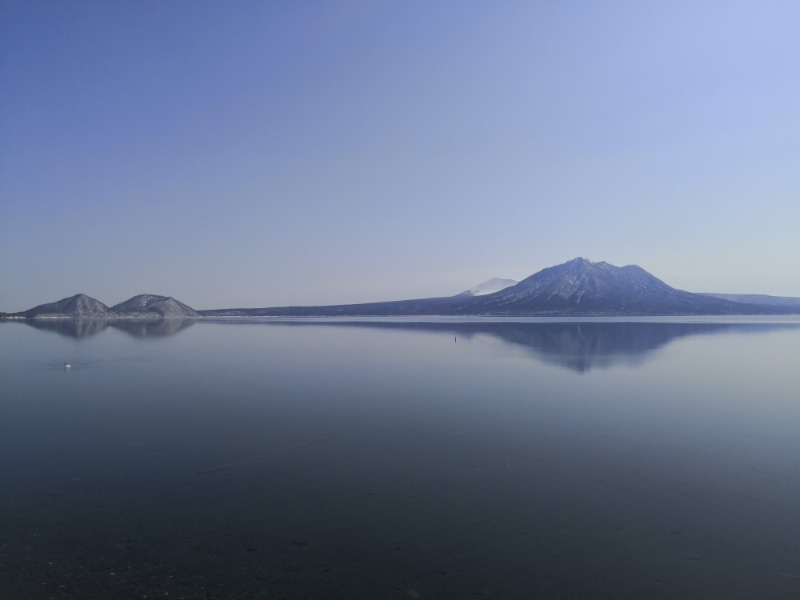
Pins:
<point x="267" y="154"/>
<point x="111" y="304"/>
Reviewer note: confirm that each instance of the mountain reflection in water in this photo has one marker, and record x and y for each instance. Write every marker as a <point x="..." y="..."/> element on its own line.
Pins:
<point x="579" y="346"/>
<point x="84" y="328"/>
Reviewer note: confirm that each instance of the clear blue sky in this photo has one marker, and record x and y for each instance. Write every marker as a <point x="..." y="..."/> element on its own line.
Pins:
<point x="265" y="153"/>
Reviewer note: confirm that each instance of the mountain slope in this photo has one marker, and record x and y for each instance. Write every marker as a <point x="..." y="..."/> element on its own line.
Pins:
<point x="79" y="306"/>
<point x="495" y="284"/>
<point x="150" y="306"/>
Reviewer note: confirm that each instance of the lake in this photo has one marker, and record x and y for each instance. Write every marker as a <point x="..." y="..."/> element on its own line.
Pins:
<point x="389" y="458"/>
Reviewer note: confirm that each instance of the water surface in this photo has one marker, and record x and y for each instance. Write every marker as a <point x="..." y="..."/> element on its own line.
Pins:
<point x="396" y="459"/>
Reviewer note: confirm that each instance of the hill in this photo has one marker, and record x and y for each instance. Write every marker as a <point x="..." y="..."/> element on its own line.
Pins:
<point x="149" y="306"/>
<point x="79" y="306"/>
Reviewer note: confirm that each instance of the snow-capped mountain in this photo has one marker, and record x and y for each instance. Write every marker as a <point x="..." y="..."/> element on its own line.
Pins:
<point x="580" y="286"/>
<point x="495" y="284"/>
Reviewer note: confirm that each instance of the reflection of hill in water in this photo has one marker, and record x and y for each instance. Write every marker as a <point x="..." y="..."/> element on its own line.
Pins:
<point x="585" y="346"/>
<point x="74" y="328"/>
<point x="578" y="346"/>
<point x="83" y="328"/>
<point x="144" y="328"/>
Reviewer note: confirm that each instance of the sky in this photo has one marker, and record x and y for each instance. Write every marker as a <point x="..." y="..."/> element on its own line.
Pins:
<point x="268" y="153"/>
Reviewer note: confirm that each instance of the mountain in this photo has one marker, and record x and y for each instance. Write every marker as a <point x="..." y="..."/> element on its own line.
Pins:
<point x="495" y="284"/>
<point x="575" y="288"/>
<point x="79" y="306"/>
<point x="149" y="306"/>
<point x="582" y="287"/>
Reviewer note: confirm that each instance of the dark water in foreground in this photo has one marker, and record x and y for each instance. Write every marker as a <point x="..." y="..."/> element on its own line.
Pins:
<point x="388" y="459"/>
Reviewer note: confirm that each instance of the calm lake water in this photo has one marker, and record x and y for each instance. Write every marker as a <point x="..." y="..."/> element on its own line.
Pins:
<point x="396" y="459"/>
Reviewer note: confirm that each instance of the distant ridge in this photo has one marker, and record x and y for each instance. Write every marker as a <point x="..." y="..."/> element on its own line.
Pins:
<point x="578" y="287"/>
<point x="763" y="299"/>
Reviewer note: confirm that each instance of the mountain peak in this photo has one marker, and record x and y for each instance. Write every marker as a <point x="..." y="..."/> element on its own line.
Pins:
<point x="584" y="263"/>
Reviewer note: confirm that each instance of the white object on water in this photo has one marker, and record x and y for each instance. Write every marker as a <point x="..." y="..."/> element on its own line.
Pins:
<point x="67" y="365"/>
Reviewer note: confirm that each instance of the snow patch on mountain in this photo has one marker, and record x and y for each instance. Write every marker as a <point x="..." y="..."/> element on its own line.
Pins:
<point x="495" y="284"/>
